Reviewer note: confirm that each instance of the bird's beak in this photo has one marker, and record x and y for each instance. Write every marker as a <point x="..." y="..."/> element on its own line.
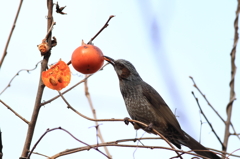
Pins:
<point x="109" y="59"/>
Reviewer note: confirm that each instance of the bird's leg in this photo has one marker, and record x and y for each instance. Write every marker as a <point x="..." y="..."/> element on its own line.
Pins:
<point x="141" y="142"/>
<point x="136" y="135"/>
<point x="136" y="126"/>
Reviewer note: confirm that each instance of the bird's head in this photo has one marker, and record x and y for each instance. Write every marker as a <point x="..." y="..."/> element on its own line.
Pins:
<point x="124" y="69"/>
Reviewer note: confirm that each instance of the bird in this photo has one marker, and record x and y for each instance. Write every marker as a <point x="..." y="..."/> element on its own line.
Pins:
<point x="146" y="105"/>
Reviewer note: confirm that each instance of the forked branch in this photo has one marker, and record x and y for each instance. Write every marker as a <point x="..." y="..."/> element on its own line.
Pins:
<point x="99" y="134"/>
<point x="232" y="82"/>
<point x="104" y="26"/>
<point x="41" y="87"/>
<point x="59" y="128"/>
<point x="129" y="120"/>
<point x="209" y="123"/>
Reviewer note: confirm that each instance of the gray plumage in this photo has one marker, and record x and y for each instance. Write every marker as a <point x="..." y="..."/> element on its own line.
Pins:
<point x="145" y="104"/>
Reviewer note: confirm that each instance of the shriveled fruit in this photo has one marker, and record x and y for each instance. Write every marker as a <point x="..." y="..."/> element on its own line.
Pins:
<point x="43" y="47"/>
<point x="87" y="59"/>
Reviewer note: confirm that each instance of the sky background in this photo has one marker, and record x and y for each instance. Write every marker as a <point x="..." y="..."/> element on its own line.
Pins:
<point x="167" y="41"/>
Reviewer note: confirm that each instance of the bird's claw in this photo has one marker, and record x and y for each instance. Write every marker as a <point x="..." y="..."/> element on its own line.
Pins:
<point x="126" y="120"/>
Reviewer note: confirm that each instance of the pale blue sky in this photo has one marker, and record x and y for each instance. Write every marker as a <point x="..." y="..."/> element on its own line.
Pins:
<point x="167" y="41"/>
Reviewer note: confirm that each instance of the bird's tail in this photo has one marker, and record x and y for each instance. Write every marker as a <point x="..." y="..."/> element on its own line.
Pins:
<point x="194" y="145"/>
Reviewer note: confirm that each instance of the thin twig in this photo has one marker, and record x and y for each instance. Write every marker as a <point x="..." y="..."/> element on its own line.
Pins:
<point x="207" y="119"/>
<point x="139" y="141"/>
<point x="195" y="85"/>
<point x="14" y="112"/>
<point x="204" y="96"/>
<point x="234" y="131"/>
<point x="1" y="146"/>
<point x="50" y="100"/>
<point x="40" y="154"/>
<point x="28" y="70"/>
<point x="237" y="134"/>
<point x="231" y="154"/>
<point x="99" y="134"/>
<point x="50" y="29"/>
<point x="112" y="143"/>
<point x="136" y="139"/>
<point x="156" y="138"/>
<point x="129" y="120"/>
<point x="69" y="62"/>
<point x="232" y="82"/>
<point x="59" y="128"/>
<point x="221" y="152"/>
<point x="105" y="25"/>
<point x="10" y="35"/>
<point x="41" y="87"/>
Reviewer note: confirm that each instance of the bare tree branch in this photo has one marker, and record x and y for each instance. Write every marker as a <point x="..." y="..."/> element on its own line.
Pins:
<point x="59" y="128"/>
<point x="234" y="131"/>
<point x="50" y="30"/>
<point x="232" y="82"/>
<point x="99" y="134"/>
<point x="207" y="120"/>
<point x="1" y="146"/>
<point x="14" y="112"/>
<point x="105" y="26"/>
<point x="237" y="134"/>
<point x="204" y="96"/>
<point x="231" y="154"/>
<point x="40" y="154"/>
<point x="195" y="85"/>
<point x="10" y="35"/>
<point x="221" y="152"/>
<point x="28" y="70"/>
<point x="115" y="143"/>
<point x="129" y="120"/>
<point x="41" y="87"/>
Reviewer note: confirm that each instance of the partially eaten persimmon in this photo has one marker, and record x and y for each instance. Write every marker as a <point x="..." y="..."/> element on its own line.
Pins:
<point x="57" y="76"/>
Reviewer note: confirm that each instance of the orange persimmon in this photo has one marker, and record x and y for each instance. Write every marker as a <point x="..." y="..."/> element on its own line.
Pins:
<point x="87" y="59"/>
<point x="57" y="76"/>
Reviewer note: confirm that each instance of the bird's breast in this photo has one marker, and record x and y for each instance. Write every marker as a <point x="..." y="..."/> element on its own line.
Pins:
<point x="137" y="105"/>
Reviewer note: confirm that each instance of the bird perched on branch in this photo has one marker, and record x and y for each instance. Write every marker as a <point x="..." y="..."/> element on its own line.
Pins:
<point x="145" y="105"/>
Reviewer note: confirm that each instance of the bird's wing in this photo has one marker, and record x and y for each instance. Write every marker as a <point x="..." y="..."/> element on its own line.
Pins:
<point x="158" y="104"/>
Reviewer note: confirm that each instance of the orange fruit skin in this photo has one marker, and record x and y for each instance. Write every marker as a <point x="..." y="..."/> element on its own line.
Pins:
<point x="57" y="76"/>
<point x="87" y="59"/>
